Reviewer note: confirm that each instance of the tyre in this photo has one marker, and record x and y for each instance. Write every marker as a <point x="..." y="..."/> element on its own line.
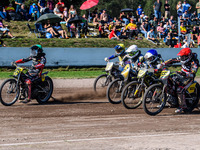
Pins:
<point x="131" y="99"/>
<point x="154" y="99"/>
<point x="114" y="91"/>
<point x="9" y="92"/>
<point x="45" y="91"/>
<point x="101" y="83"/>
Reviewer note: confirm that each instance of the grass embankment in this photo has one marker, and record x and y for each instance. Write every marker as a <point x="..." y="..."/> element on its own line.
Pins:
<point x="66" y="73"/>
<point x="21" y="31"/>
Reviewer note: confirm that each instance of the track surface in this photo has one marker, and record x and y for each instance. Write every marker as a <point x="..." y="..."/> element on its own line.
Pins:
<point x="80" y="119"/>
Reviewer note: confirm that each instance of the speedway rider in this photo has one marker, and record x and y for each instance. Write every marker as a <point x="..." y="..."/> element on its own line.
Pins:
<point x="38" y="62"/>
<point x="189" y="64"/>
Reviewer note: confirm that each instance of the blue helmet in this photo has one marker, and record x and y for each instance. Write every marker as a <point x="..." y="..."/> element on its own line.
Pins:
<point x="119" y="49"/>
<point x="151" y="56"/>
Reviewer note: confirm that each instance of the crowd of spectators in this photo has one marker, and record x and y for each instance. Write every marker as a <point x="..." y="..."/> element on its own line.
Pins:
<point x="159" y="26"/>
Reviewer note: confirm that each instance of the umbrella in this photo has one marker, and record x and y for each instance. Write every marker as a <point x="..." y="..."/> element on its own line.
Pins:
<point x="127" y="10"/>
<point x="89" y="4"/>
<point x="76" y="19"/>
<point x="50" y="16"/>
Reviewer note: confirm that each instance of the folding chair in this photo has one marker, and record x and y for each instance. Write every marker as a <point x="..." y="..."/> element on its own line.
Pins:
<point x="40" y="29"/>
<point x="32" y="31"/>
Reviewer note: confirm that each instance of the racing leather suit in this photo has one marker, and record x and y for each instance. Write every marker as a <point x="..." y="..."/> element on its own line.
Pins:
<point x="38" y="64"/>
<point x="187" y="75"/>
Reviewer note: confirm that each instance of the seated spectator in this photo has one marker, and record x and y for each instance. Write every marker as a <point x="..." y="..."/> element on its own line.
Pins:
<point x="132" y="29"/>
<point x="142" y="17"/>
<point x="169" y="39"/>
<point x="143" y="30"/>
<point x="57" y="11"/>
<point x="153" y="23"/>
<point x="73" y="31"/>
<point x="151" y="37"/>
<point x="194" y="18"/>
<point x="104" y="17"/>
<point x="101" y="30"/>
<point x="171" y="20"/>
<point x="62" y="32"/>
<point x="61" y="5"/>
<point x="174" y="31"/>
<point x="3" y="13"/>
<point x="106" y="29"/>
<point x="35" y="12"/>
<point x="5" y="29"/>
<point x="48" y="27"/>
<point x="167" y="25"/>
<point x="183" y="29"/>
<point x="123" y="17"/>
<point x="24" y="13"/>
<point x="111" y="25"/>
<point x="72" y="11"/>
<point x="186" y="17"/>
<point x="50" y="5"/>
<point x="194" y="33"/>
<point x="113" y="35"/>
<point x="96" y="21"/>
<point x="185" y="43"/>
<point x="160" y="30"/>
<point x="65" y="14"/>
<point x="10" y="8"/>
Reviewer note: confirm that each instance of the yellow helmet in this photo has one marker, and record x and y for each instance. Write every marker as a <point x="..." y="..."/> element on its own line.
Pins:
<point x="119" y="48"/>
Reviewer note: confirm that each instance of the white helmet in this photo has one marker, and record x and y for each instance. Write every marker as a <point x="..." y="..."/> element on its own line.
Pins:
<point x="133" y="51"/>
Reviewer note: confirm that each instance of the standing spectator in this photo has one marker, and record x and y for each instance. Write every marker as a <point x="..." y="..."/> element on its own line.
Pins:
<point x="18" y="5"/>
<point x="186" y="6"/>
<point x="113" y="35"/>
<point x="179" y="8"/>
<point x="50" y="5"/>
<point x="65" y="14"/>
<point x="72" y="11"/>
<point x="198" y="8"/>
<point x="35" y="12"/>
<point x="57" y="11"/>
<point x="5" y="30"/>
<point x="3" y="13"/>
<point x="139" y="11"/>
<point x="42" y="5"/>
<point x="151" y="37"/>
<point x="167" y="9"/>
<point x="104" y="17"/>
<point x="157" y="9"/>
<point x="24" y="13"/>
<point x="61" y="5"/>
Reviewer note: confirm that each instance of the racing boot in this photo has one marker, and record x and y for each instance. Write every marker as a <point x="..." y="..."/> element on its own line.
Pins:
<point x="22" y="94"/>
<point x="182" y="102"/>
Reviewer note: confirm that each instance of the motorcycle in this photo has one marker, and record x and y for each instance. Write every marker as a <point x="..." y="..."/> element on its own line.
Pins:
<point x="115" y="88"/>
<point x="158" y="94"/>
<point x="13" y="88"/>
<point x="133" y="92"/>
<point x="112" y="71"/>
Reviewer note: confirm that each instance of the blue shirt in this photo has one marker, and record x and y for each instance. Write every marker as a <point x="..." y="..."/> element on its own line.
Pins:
<point x="42" y="3"/>
<point x="185" y="7"/>
<point x="139" y="10"/>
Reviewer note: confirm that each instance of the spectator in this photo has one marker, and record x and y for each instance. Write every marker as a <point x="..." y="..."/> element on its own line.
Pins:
<point x="142" y="17"/>
<point x="42" y="5"/>
<point x="5" y="30"/>
<point x="18" y="5"/>
<point x="139" y="11"/>
<point x="167" y="25"/>
<point x="62" y="32"/>
<point x="57" y="11"/>
<point x="143" y="29"/>
<point x="113" y="35"/>
<point x="101" y="30"/>
<point x="96" y="21"/>
<point x="72" y="11"/>
<point x="50" y="5"/>
<point x="104" y="17"/>
<point x="194" y="33"/>
<point x="61" y="5"/>
<point x="174" y="31"/>
<point x="167" y="9"/>
<point x="157" y="9"/>
<point x="24" y="13"/>
<point x="10" y="8"/>
<point x="194" y="18"/>
<point x="198" y="8"/>
<point x="160" y="30"/>
<point x="186" y="6"/>
<point x="179" y="8"/>
<point x="132" y="29"/>
<point x="151" y="37"/>
<point x="65" y="14"/>
<point x="111" y="25"/>
<point x="169" y="39"/>
<point x="171" y="20"/>
<point x="186" y="17"/>
<point x="183" y="29"/>
<point x="124" y="18"/>
<point x="153" y="23"/>
<point x="48" y="27"/>
<point x="35" y="12"/>
<point x="185" y="43"/>
<point x="3" y="13"/>
<point x="73" y="30"/>
<point x="84" y="26"/>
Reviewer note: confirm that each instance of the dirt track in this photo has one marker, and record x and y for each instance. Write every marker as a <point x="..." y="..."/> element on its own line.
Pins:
<point x="79" y="119"/>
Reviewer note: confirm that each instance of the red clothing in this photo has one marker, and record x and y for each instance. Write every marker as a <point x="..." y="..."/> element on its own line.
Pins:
<point x="61" y="8"/>
<point x="112" y="34"/>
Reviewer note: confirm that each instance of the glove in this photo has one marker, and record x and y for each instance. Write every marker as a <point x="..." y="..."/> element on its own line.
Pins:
<point x="121" y="63"/>
<point x="106" y="59"/>
<point x="13" y="63"/>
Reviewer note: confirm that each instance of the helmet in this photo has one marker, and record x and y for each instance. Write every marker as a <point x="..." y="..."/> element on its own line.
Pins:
<point x="36" y="50"/>
<point x="119" y="48"/>
<point x="133" y="51"/>
<point x="185" y="55"/>
<point x="151" y="56"/>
